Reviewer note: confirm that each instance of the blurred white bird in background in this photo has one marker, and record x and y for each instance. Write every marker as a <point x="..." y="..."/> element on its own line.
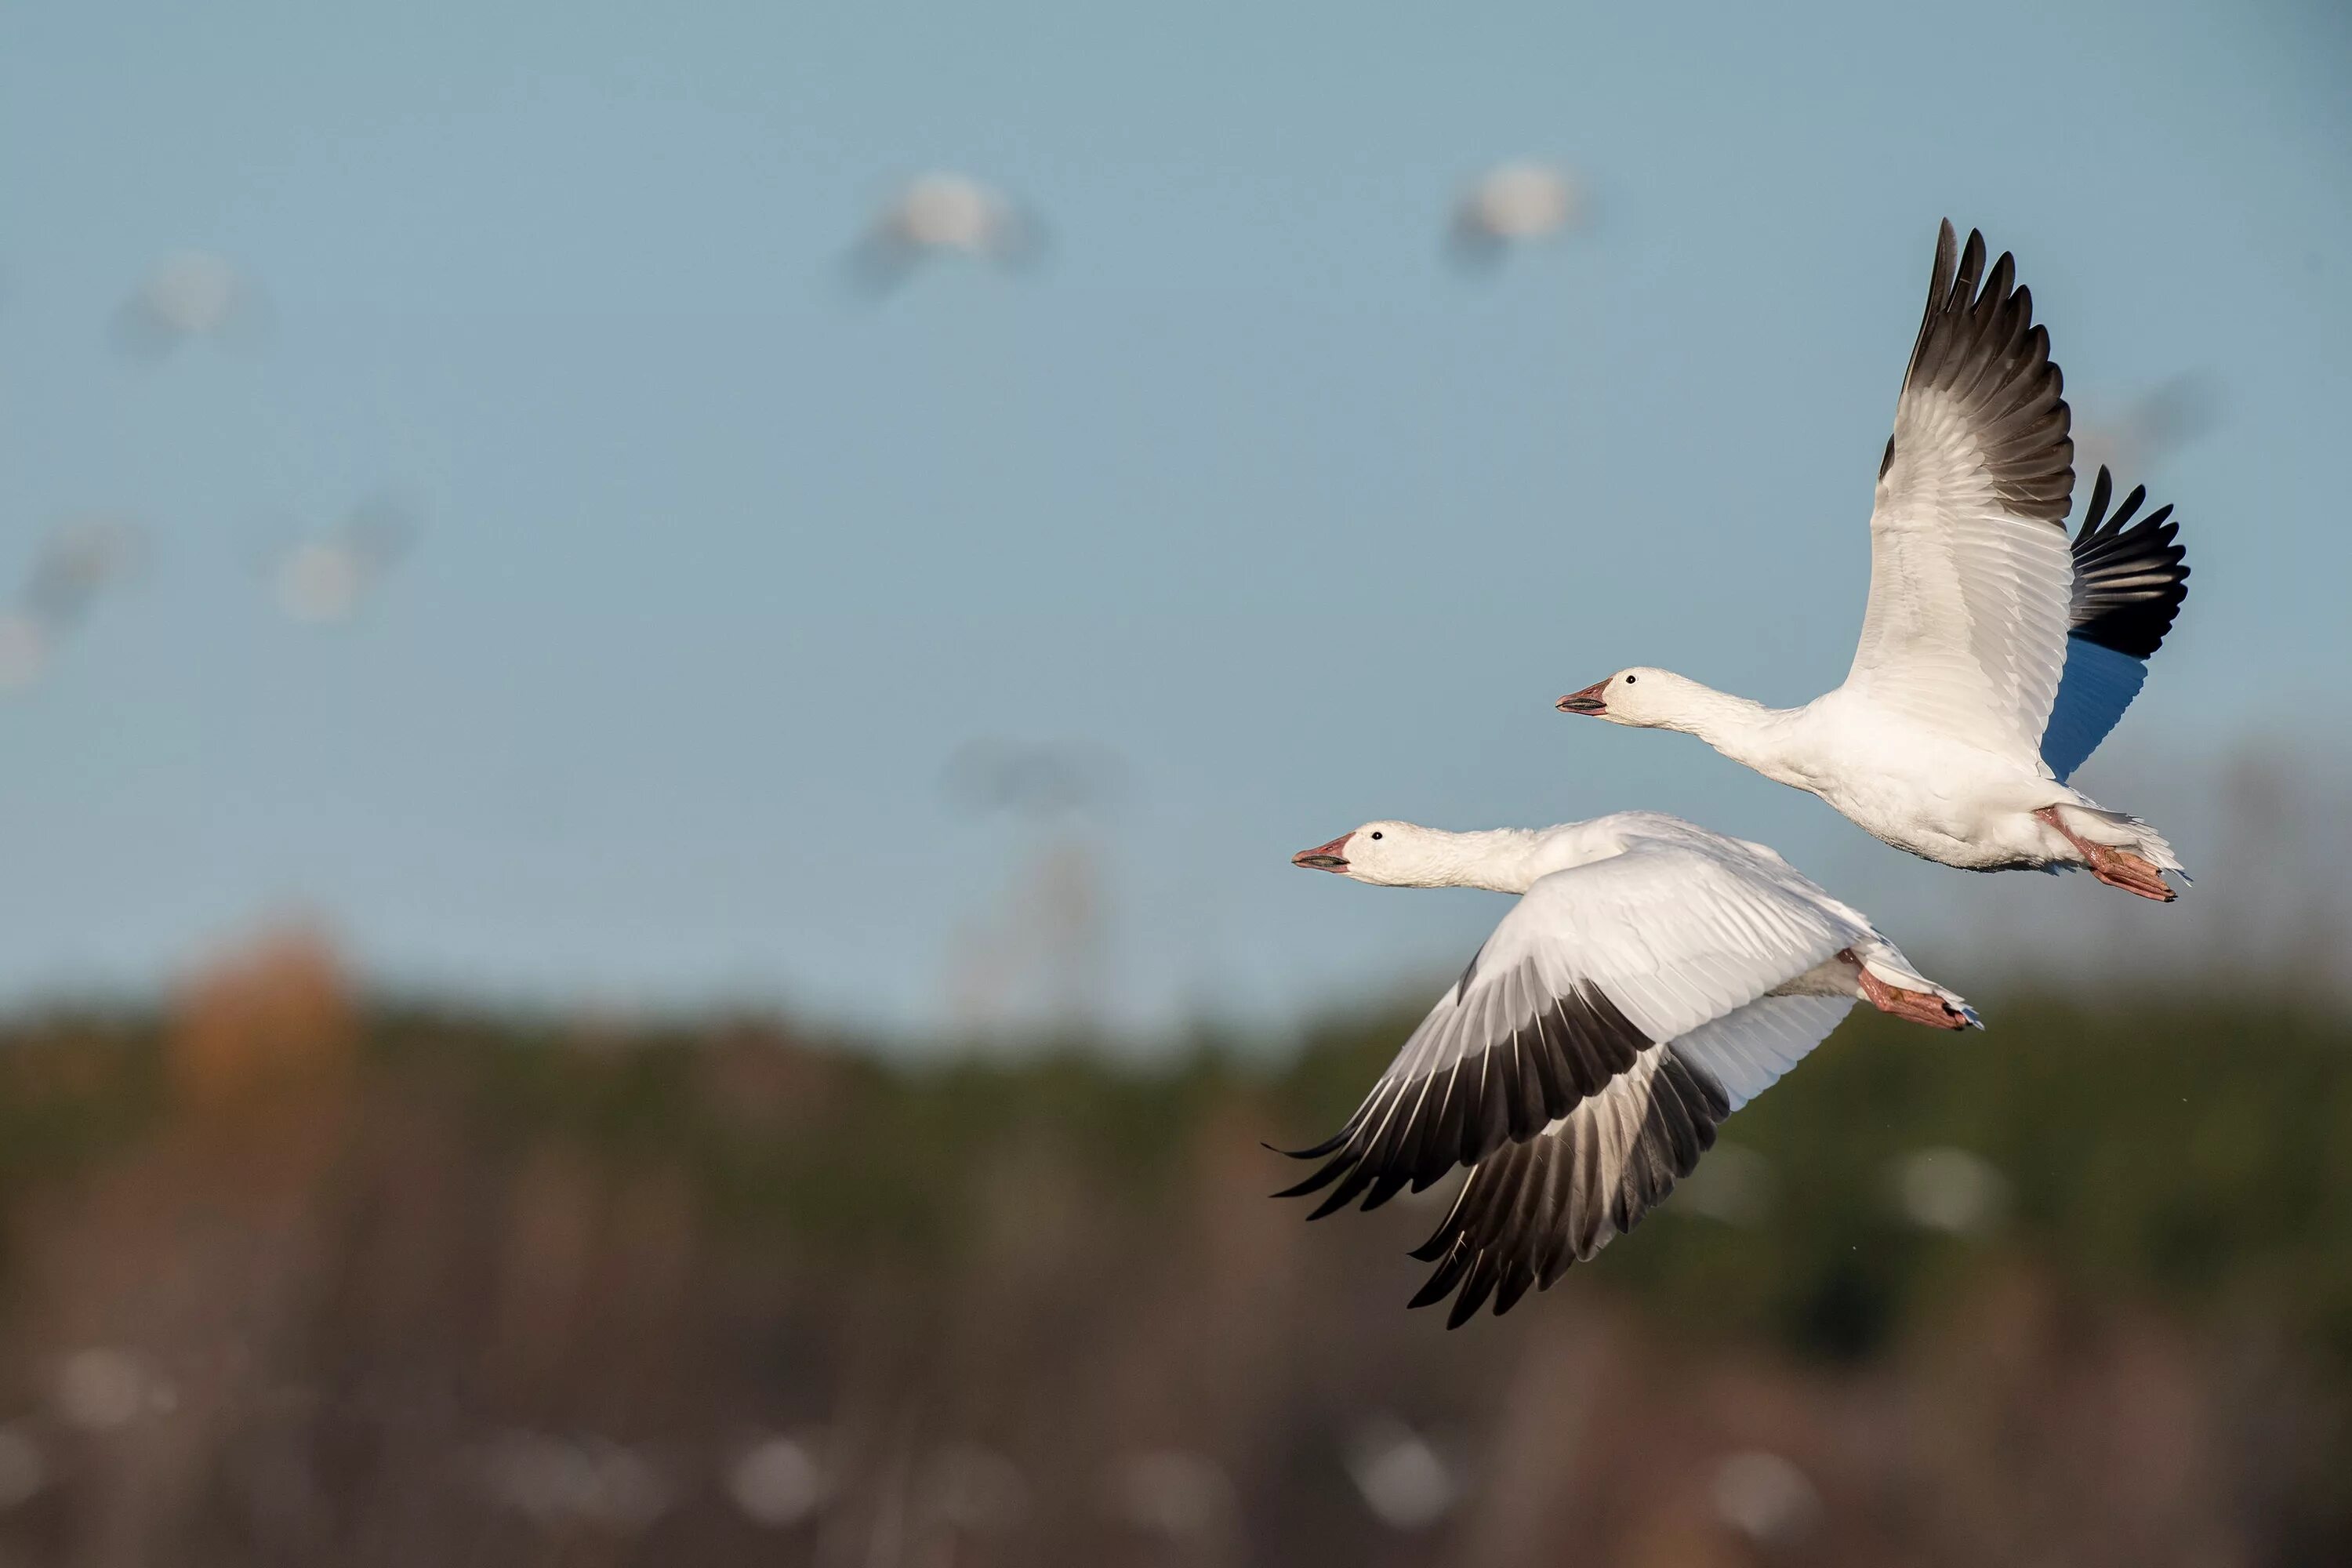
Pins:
<point x="782" y="1480"/>
<point x="1951" y="1189"/>
<point x="1765" y="1498"/>
<point x="1405" y="1479"/>
<point x="2150" y="428"/>
<point x="324" y="578"/>
<point x="944" y="213"/>
<point x="1512" y="204"/>
<point x="80" y="559"/>
<point x="1177" y="1494"/>
<point x="190" y="294"/>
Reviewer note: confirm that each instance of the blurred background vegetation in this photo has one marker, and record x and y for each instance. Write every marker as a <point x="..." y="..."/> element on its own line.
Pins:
<point x="292" y="1274"/>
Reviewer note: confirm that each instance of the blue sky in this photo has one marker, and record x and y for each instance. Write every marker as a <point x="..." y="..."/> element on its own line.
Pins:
<point x="718" y="564"/>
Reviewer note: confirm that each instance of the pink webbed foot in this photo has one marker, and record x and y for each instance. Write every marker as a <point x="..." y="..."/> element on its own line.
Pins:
<point x="1911" y="1006"/>
<point x="2115" y="868"/>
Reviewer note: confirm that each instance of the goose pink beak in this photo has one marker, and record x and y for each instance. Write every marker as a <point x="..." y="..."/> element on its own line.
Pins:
<point x="1587" y="701"/>
<point x="1331" y="857"/>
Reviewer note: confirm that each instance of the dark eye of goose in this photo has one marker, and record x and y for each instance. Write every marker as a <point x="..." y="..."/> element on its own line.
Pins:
<point x="1376" y="835"/>
<point x="1632" y="678"/>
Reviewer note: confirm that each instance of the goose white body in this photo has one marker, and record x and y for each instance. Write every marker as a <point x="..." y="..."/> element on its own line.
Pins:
<point x="1993" y="656"/>
<point x="1912" y="784"/>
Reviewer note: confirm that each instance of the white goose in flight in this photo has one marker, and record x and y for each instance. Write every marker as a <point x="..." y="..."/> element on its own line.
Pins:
<point x="1653" y="978"/>
<point x="1992" y="658"/>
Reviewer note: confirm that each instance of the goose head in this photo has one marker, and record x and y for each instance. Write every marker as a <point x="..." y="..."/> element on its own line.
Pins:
<point x="1389" y="855"/>
<point x="1644" y="697"/>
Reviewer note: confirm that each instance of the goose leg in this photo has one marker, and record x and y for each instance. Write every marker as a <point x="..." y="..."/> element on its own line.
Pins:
<point x="2115" y="868"/>
<point x="1911" y="1006"/>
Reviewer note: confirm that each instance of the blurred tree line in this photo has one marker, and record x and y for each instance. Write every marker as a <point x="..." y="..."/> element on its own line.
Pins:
<point x="291" y="1276"/>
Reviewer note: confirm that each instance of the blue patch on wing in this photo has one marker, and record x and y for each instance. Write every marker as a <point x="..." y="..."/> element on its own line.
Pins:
<point x="2096" y="685"/>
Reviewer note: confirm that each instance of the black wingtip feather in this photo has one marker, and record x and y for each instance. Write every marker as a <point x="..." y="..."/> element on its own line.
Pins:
<point x="1978" y="345"/>
<point x="2131" y="578"/>
<point x="1449" y="1273"/>
<point x="1416" y="1133"/>
<point x="1328" y="1145"/>
<point x="2101" y="489"/>
<point x="1517" y="1279"/>
<point x="1319" y="1181"/>
<point x="1474" y="1291"/>
<point x="1539" y="1197"/>
<point x="1532" y="1210"/>
<point x="1359" y="1178"/>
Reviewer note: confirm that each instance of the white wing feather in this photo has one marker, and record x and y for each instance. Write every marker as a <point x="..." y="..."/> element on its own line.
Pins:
<point x="1969" y="571"/>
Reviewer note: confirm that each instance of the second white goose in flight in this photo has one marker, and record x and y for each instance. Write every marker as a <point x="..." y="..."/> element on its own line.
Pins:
<point x="1992" y="658"/>
<point x="1654" y="978"/>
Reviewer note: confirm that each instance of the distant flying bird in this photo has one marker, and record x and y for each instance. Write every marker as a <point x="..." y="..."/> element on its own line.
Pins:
<point x="1043" y="781"/>
<point x="2152" y="427"/>
<point x="80" y="560"/>
<point x="324" y="578"/>
<point x="1653" y="978"/>
<point x="1510" y="204"/>
<point x="1400" y="1475"/>
<point x="188" y="294"/>
<point x="1765" y="1498"/>
<point x="1993" y="660"/>
<point x="944" y="213"/>
<point x="1949" y="1190"/>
